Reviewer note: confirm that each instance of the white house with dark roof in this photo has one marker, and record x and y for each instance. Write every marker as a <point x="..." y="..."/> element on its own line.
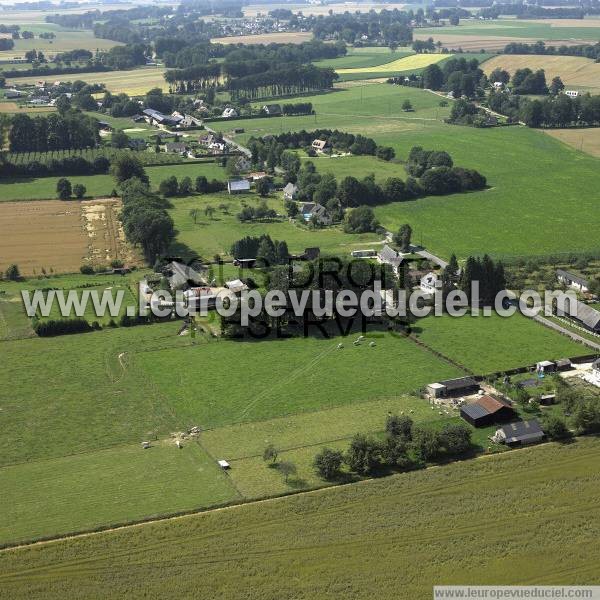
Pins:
<point x="290" y="191"/>
<point x="229" y="113"/>
<point x="389" y="256"/>
<point x="238" y="186"/>
<point x="572" y="280"/>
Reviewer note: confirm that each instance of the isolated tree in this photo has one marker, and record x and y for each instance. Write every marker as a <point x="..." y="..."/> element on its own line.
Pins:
<point x="403" y="237"/>
<point x="63" y="188"/>
<point x="263" y="187"/>
<point x="407" y="106"/>
<point x="119" y="139"/>
<point x="270" y="454"/>
<point x="126" y="166"/>
<point x="287" y="468"/>
<point x="328" y="463"/>
<point x="194" y="212"/>
<point x="169" y="187"/>
<point x="13" y="273"/>
<point x="556" y="86"/>
<point x="555" y="428"/>
<point x="209" y="211"/>
<point x="360" y="220"/>
<point x="185" y="186"/>
<point x="79" y="190"/>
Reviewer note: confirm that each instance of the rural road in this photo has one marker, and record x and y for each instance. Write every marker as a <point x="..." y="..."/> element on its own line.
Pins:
<point x="241" y="148"/>
<point x="574" y="336"/>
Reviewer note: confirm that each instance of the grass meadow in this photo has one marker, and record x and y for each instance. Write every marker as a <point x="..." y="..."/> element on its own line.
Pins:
<point x="486" y="345"/>
<point x="389" y="538"/>
<point x="519" y="214"/>
<point x="43" y="188"/>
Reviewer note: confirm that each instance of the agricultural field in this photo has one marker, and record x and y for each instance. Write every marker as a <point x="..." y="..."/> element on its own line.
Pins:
<point x="135" y="82"/>
<point x="552" y="31"/>
<point x="370" y="56"/>
<point x="495" y="220"/>
<point x="293" y="37"/>
<point x="350" y="540"/>
<point x="584" y="140"/>
<point x="405" y="63"/>
<point x="64" y="41"/>
<point x="576" y="72"/>
<point x="60" y="236"/>
<point x="42" y="188"/>
<point x="485" y="345"/>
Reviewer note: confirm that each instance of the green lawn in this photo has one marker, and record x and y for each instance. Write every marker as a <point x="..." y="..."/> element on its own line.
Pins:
<point x="491" y="344"/>
<point x="112" y="486"/>
<point x="388" y="538"/>
<point x="210" y="236"/>
<point x="371" y="56"/>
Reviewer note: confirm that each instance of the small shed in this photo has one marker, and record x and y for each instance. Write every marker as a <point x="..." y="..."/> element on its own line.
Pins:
<point x="238" y="186"/>
<point x="564" y="364"/>
<point x="546" y="366"/>
<point x="520" y="433"/>
<point x="223" y="464"/>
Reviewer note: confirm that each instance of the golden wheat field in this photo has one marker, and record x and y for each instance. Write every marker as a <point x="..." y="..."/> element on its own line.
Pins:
<point x="407" y="63"/>
<point x="575" y="71"/>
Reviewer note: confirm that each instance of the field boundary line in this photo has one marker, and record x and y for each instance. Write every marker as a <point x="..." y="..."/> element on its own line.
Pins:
<point x="8" y="547"/>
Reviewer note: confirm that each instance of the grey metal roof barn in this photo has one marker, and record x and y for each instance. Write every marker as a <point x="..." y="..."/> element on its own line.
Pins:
<point x="521" y="432"/>
<point x="588" y="316"/>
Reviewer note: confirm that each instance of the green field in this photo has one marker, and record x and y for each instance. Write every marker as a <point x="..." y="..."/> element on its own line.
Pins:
<point x="554" y="29"/>
<point x="492" y="344"/>
<point x="121" y="484"/>
<point x="389" y="538"/>
<point x="43" y="188"/>
<point x="215" y="235"/>
<point x="370" y="56"/>
<point x="520" y="213"/>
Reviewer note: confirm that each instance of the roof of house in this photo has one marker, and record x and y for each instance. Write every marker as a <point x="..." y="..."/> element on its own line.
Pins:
<point x="238" y="185"/>
<point x="560" y="273"/>
<point x="459" y="383"/>
<point x="307" y="207"/>
<point x="290" y="188"/>
<point x="586" y="314"/>
<point x="319" y="143"/>
<point x="522" y="431"/>
<point x="181" y="274"/>
<point x="236" y="285"/>
<point x="389" y="255"/>
<point x="486" y="405"/>
<point x="272" y="108"/>
<point x="175" y="146"/>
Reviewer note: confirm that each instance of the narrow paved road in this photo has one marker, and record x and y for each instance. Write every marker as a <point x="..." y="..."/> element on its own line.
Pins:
<point x="574" y="336"/>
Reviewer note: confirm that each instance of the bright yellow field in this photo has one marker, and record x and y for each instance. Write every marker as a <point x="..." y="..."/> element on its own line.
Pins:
<point x="575" y="71"/>
<point x="136" y="82"/>
<point x="408" y="63"/>
<point x="294" y="37"/>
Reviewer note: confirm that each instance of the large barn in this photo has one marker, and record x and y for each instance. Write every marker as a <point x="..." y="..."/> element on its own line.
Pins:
<point x="487" y="410"/>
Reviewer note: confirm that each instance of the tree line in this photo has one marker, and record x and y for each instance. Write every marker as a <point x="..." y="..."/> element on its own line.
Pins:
<point x="69" y="165"/>
<point x="72" y="130"/>
<point x="585" y="50"/>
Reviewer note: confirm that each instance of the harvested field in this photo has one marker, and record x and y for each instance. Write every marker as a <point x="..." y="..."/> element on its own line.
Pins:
<point x="407" y="63"/>
<point x="584" y="140"/>
<point x="266" y="38"/>
<point x="13" y="107"/>
<point x="61" y="236"/>
<point x="575" y="71"/>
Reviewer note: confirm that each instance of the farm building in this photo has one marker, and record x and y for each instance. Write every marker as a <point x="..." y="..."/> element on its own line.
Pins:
<point x="239" y="186"/>
<point x="175" y="147"/>
<point x="584" y="315"/>
<point x="364" y="253"/>
<point x="155" y="117"/>
<point x="11" y="94"/>
<point x="564" y="364"/>
<point x="546" y="366"/>
<point x="237" y="286"/>
<point x="388" y="256"/>
<point x="320" y="145"/>
<point x="573" y="281"/>
<point x="487" y="410"/>
<point x="273" y="110"/>
<point x="453" y="387"/>
<point x="182" y="276"/>
<point x="245" y="263"/>
<point x="229" y="113"/>
<point x="290" y="191"/>
<point x="520" y="433"/>
<point x="571" y="93"/>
